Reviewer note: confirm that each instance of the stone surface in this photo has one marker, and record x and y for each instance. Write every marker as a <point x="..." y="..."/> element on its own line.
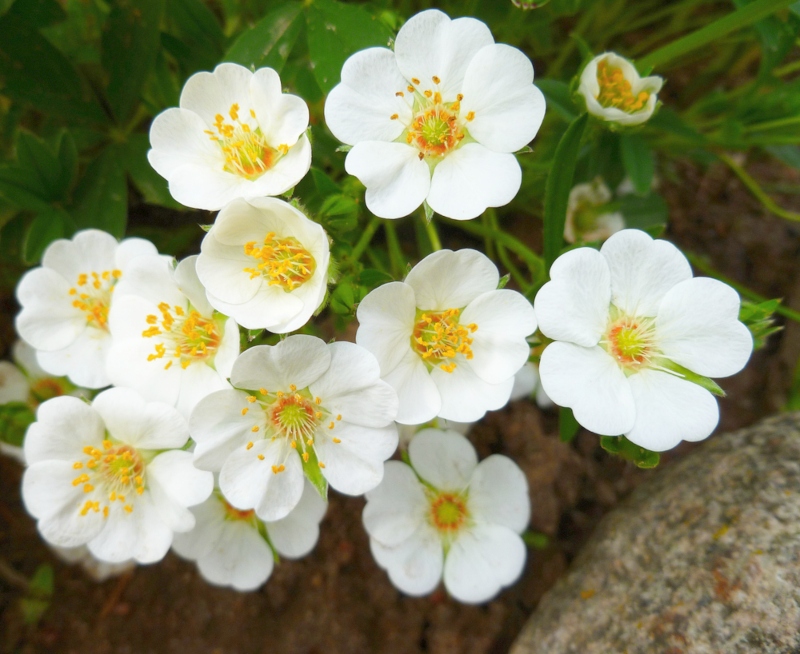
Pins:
<point x="704" y="558"/>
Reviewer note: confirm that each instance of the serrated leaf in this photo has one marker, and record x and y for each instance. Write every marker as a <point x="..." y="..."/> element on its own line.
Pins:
<point x="335" y="31"/>
<point x="131" y="40"/>
<point x="314" y="474"/>
<point x="101" y="198"/>
<point x="45" y="228"/>
<point x="638" y="160"/>
<point x="270" y="40"/>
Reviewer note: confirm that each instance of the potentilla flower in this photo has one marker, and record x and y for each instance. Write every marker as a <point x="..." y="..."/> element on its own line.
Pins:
<point x="108" y="475"/>
<point x="438" y="119"/>
<point x="265" y="264"/>
<point x="235" y="548"/>
<point x="169" y="344"/>
<point x="447" y="339"/>
<point x="633" y="331"/>
<point x="65" y="303"/>
<point x="589" y="218"/>
<point x="235" y="135"/>
<point x="449" y="516"/>
<point x="615" y="93"/>
<point x="527" y="383"/>
<point x="298" y="404"/>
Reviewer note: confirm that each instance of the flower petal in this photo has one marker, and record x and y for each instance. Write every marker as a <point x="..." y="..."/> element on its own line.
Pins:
<point x="386" y="322"/>
<point x="83" y="360"/>
<point x="299" y="360"/>
<point x="284" y="489"/>
<point x="219" y="425"/>
<point x="444" y="459"/>
<point x="64" y="426"/>
<point x="698" y="327"/>
<point x="397" y="180"/>
<point x="296" y="535"/>
<point x="498" y="494"/>
<point x="281" y="116"/>
<point x="471" y="179"/>
<point x="465" y="396"/>
<point x="184" y="484"/>
<point x="498" y="90"/>
<point x="242" y="558"/>
<point x="177" y="137"/>
<point x="588" y="381"/>
<point x="418" y="397"/>
<point x="451" y="280"/>
<point x="205" y="187"/>
<point x="209" y="94"/>
<point x="90" y="250"/>
<point x="397" y="507"/>
<point x="415" y="565"/>
<point x="48" y="321"/>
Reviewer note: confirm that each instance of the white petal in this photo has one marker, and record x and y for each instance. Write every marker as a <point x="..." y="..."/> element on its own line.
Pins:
<point x="588" y="381"/>
<point x="697" y="326"/>
<point x="270" y="308"/>
<point x="83" y="361"/>
<point x="498" y="494"/>
<point x="282" y="117"/>
<point x="196" y="382"/>
<point x="47" y="489"/>
<point x="285" y="174"/>
<point x="386" y="322"/>
<point x="25" y="357"/>
<point x="155" y="537"/>
<point x="298" y="360"/>
<point x="445" y="459"/>
<point x="183" y="483"/>
<point x="642" y="270"/>
<point x="48" y="321"/>
<point x="670" y="410"/>
<point x="499" y="91"/>
<point x="397" y="507"/>
<point x="451" y="280"/>
<point x="415" y="565"/>
<point x="241" y="558"/>
<point x="209" y="524"/>
<point x="178" y="138"/>
<point x="504" y="318"/>
<point x="64" y="426"/>
<point x="361" y="107"/>
<point x="208" y="94"/>
<point x="296" y="534"/>
<point x="525" y="382"/>
<point x="131" y="248"/>
<point x="219" y="427"/>
<point x="465" y="396"/>
<point x="205" y="187"/>
<point x="89" y="250"/>
<point x="418" y="397"/>
<point x="471" y="179"/>
<point x="397" y="180"/>
<point x="284" y="490"/>
<point x="186" y="279"/>
<point x="482" y="561"/>
<point x="430" y="44"/>
<point x="573" y="306"/>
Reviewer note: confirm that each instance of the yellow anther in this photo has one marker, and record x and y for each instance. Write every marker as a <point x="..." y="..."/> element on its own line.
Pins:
<point x="339" y="417"/>
<point x="292" y="388"/>
<point x="77" y="465"/>
<point x="128" y="508"/>
<point x="332" y="425"/>
<point x="415" y="81"/>
<point x="260" y="457"/>
<point x="317" y="400"/>
<point x="305" y="457"/>
<point x="428" y="93"/>
<point x="399" y="94"/>
<point x="394" y="117"/>
<point x="251" y="398"/>
<point x="244" y="411"/>
<point x="337" y="440"/>
<point x="107" y="444"/>
<point x="88" y="488"/>
<point x="470" y="116"/>
<point x="254" y="428"/>
<point x="105" y="511"/>
<point x="250" y="445"/>
<point x="293" y="444"/>
<point x="321" y="464"/>
<point x="436" y="80"/>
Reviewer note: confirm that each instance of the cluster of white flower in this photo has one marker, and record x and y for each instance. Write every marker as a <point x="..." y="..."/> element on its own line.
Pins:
<point x="226" y="456"/>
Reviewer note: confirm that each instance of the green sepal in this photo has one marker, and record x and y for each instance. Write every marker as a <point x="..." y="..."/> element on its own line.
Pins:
<point x="704" y="382"/>
<point x="503" y="281"/>
<point x="535" y="540"/>
<point x="314" y="474"/>
<point x="622" y="447"/>
<point x="428" y="211"/>
<point x="759" y="318"/>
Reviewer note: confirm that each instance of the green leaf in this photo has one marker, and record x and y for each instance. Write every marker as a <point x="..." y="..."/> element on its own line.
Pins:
<point x="371" y="278"/>
<point x="101" y="199"/>
<point x="759" y="318"/>
<point x="38" y="13"/>
<point x="45" y="228"/>
<point x="15" y="417"/>
<point x="535" y="540"/>
<point x="131" y="40"/>
<point x="5" y="5"/>
<point x="67" y="153"/>
<point x="152" y="186"/>
<point x="270" y="40"/>
<point x="567" y="425"/>
<point x="559" y="184"/>
<point x="42" y="583"/>
<point x="704" y="382"/>
<point x="36" y="157"/>
<point x="33" y="610"/>
<point x="314" y="474"/>
<point x="339" y="213"/>
<point x="343" y="299"/>
<point x="335" y="31"/>
<point x="558" y="97"/>
<point x="199" y="29"/>
<point x="623" y="448"/>
<point x="21" y="190"/>
<point x="638" y="160"/>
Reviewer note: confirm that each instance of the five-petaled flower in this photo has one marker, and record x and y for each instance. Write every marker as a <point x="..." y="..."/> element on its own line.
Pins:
<point x="633" y="332"/>
<point x="447" y="339"/>
<point x="589" y="216"/>
<point x="615" y="92"/>
<point x="449" y="516"/>
<point x="438" y="119"/>
<point x="235" y="135"/>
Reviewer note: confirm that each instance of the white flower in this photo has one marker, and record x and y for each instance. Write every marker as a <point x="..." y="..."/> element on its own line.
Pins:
<point x="630" y="324"/>
<point x="97" y="569"/>
<point x="303" y="404"/>
<point x="234" y="548"/>
<point x="437" y="119"/>
<point x="614" y="91"/>
<point x="450" y="516"/>
<point x="65" y="303"/>
<point x="98" y="475"/>
<point x="588" y="218"/>
<point x="407" y="432"/>
<point x="169" y="345"/>
<point x="235" y="135"/>
<point x="265" y="264"/>
<point x="447" y="339"/>
<point x="527" y="383"/>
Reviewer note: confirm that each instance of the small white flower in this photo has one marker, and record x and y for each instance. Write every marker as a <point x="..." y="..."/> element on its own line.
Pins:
<point x="235" y="135"/>
<point x="447" y="339"/>
<point x="303" y="403"/>
<point x="449" y="516"/>
<point x="407" y="432"/>
<point x="614" y="91"/>
<point x="169" y="344"/>
<point x="527" y="383"/>
<point x="588" y="218"/>
<point x="624" y="320"/>
<point x="438" y="119"/>
<point x="97" y="569"/>
<point x="65" y="303"/>
<point x="265" y="264"/>
<point x="98" y="475"/>
<point x="234" y="548"/>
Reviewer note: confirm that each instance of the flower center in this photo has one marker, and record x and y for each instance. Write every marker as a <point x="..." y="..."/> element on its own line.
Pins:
<point x="282" y="262"/>
<point x="616" y="91"/>
<point x="448" y="512"/>
<point x="438" y="337"/>
<point x="246" y="150"/>
<point x="92" y="295"/>
<point x="112" y="475"/>
<point x="232" y="513"/>
<point x="436" y="129"/>
<point x="185" y="338"/>
<point x="630" y="341"/>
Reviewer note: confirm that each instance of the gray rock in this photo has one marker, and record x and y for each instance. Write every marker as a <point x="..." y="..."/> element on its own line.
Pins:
<point x="704" y="558"/>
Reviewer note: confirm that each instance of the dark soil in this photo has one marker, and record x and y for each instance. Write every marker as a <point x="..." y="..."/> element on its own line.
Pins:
<point x="337" y="601"/>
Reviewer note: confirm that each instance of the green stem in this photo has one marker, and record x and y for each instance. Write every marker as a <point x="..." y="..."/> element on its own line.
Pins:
<point x="753" y="186"/>
<point x="433" y="235"/>
<point x="703" y="266"/>
<point x="366" y="237"/>
<point x="788" y="68"/>
<point x="773" y="124"/>
<point x="396" y="257"/>
<point x="743" y="17"/>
